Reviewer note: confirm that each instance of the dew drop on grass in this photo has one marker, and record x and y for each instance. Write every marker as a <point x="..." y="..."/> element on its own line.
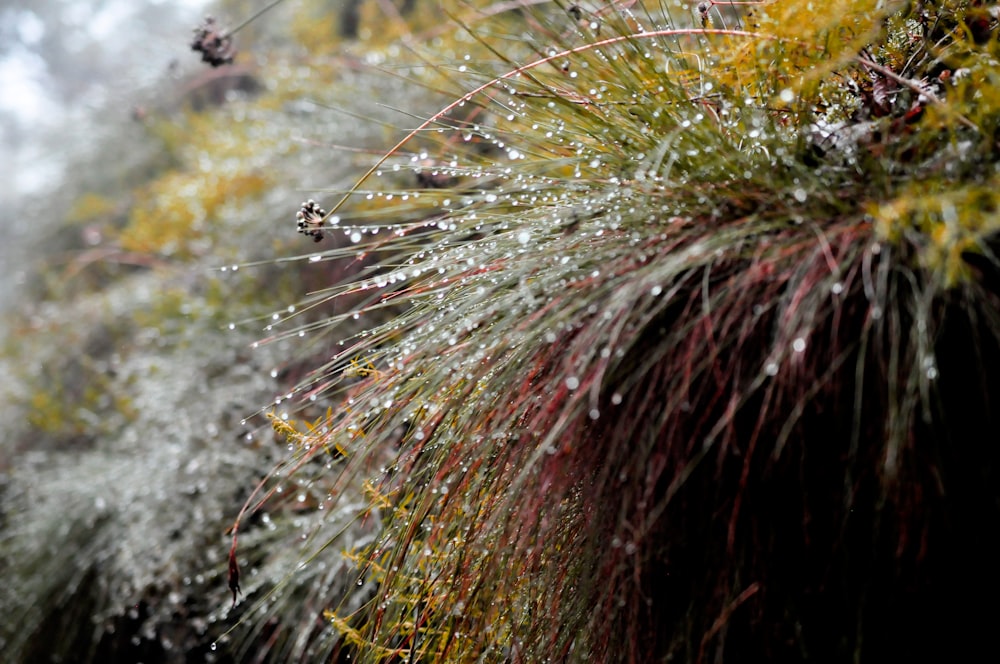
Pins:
<point x="771" y="368"/>
<point x="837" y="288"/>
<point x="572" y="382"/>
<point x="787" y="95"/>
<point x="799" y="345"/>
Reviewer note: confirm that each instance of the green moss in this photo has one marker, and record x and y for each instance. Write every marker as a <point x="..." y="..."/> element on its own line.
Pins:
<point x="90" y="207"/>
<point x="176" y="214"/>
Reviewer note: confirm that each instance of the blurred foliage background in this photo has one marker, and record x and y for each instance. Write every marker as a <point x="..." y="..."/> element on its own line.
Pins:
<point x="144" y="208"/>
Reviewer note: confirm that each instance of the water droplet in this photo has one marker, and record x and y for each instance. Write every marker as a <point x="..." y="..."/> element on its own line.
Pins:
<point x="837" y="288"/>
<point x="799" y="345"/>
<point x="572" y="382"/>
<point x="524" y="237"/>
<point x="616" y="398"/>
<point x="771" y="368"/>
<point x="787" y="95"/>
<point x="800" y="194"/>
<point x="655" y="290"/>
<point x="930" y="367"/>
<point x="594" y="414"/>
<point x="214" y="646"/>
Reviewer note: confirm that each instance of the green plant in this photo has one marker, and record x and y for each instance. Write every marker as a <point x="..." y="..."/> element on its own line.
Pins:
<point x="678" y="366"/>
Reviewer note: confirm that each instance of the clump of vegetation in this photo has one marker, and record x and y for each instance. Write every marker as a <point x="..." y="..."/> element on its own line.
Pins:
<point x="693" y="354"/>
<point x="670" y="334"/>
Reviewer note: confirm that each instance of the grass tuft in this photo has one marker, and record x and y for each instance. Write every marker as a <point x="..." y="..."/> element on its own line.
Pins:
<point x="686" y="360"/>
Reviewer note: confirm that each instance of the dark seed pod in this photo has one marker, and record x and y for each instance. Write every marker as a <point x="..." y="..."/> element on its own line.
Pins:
<point x="309" y="220"/>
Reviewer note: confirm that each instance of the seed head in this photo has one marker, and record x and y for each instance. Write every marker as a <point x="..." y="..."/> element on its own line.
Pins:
<point x="310" y="219"/>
